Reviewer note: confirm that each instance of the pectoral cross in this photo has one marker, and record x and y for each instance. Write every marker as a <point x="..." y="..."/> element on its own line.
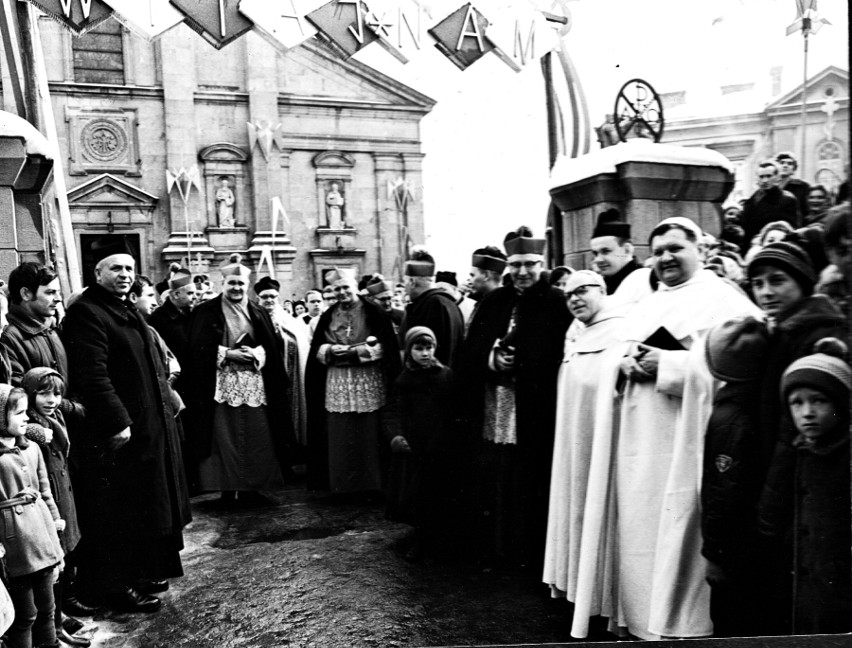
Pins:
<point x="349" y="331"/>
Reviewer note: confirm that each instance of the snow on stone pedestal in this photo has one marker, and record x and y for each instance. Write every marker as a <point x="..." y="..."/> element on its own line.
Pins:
<point x="646" y="182"/>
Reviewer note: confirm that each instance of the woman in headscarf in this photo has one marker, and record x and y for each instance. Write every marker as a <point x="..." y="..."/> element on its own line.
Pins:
<point x="245" y="435"/>
<point x="354" y="359"/>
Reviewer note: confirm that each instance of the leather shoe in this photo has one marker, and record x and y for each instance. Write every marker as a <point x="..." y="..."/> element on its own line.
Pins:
<point x="151" y="586"/>
<point x="71" y="640"/>
<point x="130" y="600"/>
<point x="75" y="607"/>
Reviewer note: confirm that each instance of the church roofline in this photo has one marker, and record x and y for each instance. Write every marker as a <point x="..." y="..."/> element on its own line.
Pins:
<point x="371" y="75"/>
<point x="816" y="78"/>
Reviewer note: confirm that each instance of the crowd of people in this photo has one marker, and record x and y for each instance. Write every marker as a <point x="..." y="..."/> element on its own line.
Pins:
<point x="665" y="444"/>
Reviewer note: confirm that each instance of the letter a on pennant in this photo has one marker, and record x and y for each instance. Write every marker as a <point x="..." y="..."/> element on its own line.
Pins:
<point x="462" y="36"/>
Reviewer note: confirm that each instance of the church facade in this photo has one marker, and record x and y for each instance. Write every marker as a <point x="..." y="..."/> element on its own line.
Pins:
<point x="300" y="161"/>
<point x="747" y="128"/>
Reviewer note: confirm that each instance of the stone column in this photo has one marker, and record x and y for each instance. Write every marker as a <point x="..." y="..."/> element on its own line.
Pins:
<point x="387" y="169"/>
<point x="177" y="53"/>
<point x="413" y="167"/>
<point x="268" y="167"/>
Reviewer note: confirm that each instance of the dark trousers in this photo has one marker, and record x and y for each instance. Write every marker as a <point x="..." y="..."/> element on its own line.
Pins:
<point x="32" y="596"/>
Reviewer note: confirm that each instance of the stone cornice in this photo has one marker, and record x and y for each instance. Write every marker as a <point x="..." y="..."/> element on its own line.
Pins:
<point x="353" y="144"/>
<point x="100" y="90"/>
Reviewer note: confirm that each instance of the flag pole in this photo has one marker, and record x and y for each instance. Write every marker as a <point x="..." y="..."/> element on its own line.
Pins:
<point x="806" y="28"/>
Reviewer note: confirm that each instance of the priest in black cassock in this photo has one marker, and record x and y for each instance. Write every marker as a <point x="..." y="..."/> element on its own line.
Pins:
<point x="511" y="361"/>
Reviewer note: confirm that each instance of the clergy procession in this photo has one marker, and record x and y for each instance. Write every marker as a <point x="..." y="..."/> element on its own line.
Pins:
<point x="664" y="443"/>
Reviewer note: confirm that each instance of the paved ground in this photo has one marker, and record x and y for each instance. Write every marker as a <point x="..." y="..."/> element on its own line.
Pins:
<point x="310" y="572"/>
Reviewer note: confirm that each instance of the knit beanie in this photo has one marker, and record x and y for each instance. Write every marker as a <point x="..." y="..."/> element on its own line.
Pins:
<point x="33" y="376"/>
<point x="736" y="350"/>
<point x="823" y="371"/>
<point x="790" y="258"/>
<point x="415" y="332"/>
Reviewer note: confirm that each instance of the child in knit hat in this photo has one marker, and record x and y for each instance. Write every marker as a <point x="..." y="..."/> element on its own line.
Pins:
<point x="30" y="526"/>
<point x="733" y="474"/>
<point x="805" y="507"/>
<point x="417" y="423"/>
<point x="48" y="411"/>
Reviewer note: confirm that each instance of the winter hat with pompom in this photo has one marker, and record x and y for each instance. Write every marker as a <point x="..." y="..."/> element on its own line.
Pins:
<point x="825" y="370"/>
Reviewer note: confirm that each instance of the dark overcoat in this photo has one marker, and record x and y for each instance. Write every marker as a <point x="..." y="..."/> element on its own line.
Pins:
<point x="542" y="318"/>
<point x="421" y="408"/>
<point x="32" y="344"/>
<point x="805" y="506"/>
<point x="378" y="325"/>
<point x="173" y="327"/>
<point x="773" y="205"/>
<point x="206" y="330"/>
<point x="115" y="371"/>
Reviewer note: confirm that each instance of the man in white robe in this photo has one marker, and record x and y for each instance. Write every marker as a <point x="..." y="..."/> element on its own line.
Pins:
<point x="667" y="399"/>
<point x="578" y="557"/>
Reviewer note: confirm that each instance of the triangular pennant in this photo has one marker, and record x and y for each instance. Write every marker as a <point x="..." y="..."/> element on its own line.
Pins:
<point x="277" y="209"/>
<point x="462" y="36"/>
<point x="78" y="16"/>
<point x="342" y="24"/>
<point x="218" y="21"/>
<point x="148" y="19"/>
<point x="266" y="258"/>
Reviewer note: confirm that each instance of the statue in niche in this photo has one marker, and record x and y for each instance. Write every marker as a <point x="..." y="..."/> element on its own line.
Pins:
<point x="225" y="204"/>
<point x="334" y="203"/>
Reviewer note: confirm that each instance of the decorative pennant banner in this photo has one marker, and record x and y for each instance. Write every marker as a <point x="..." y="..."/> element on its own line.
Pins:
<point x="461" y="36"/>
<point x="521" y="35"/>
<point x="267" y="260"/>
<point x="264" y="134"/>
<point x="278" y="210"/>
<point x="218" y="21"/>
<point x="79" y="16"/>
<point x="341" y="23"/>
<point x="281" y="23"/>
<point x="148" y="19"/>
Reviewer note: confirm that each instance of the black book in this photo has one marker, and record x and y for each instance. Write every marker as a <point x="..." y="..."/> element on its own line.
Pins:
<point x="244" y="340"/>
<point x="663" y="339"/>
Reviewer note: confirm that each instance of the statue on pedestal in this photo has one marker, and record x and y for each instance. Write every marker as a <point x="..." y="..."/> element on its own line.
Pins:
<point x="334" y="203"/>
<point x="225" y="204"/>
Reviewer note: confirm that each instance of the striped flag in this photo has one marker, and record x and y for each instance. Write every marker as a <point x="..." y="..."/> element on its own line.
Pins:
<point x="568" y="126"/>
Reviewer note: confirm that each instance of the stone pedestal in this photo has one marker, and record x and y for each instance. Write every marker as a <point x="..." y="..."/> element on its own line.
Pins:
<point x="201" y="251"/>
<point x="277" y="250"/>
<point x="646" y="182"/>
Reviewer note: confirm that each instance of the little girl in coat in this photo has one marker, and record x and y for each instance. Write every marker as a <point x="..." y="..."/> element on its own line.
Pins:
<point x="49" y="410"/>
<point x="30" y="525"/>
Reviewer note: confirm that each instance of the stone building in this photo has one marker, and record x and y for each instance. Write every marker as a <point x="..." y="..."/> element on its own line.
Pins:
<point x="749" y="122"/>
<point x="300" y="160"/>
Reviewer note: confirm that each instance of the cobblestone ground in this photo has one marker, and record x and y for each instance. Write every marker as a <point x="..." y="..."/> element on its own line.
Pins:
<point x="310" y="572"/>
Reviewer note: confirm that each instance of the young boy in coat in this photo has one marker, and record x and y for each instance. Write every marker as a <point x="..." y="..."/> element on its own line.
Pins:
<point x="805" y="506"/>
<point x="733" y="475"/>
<point x="417" y="423"/>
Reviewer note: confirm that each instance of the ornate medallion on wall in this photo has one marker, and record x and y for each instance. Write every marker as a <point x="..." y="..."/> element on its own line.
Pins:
<point x="103" y="140"/>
